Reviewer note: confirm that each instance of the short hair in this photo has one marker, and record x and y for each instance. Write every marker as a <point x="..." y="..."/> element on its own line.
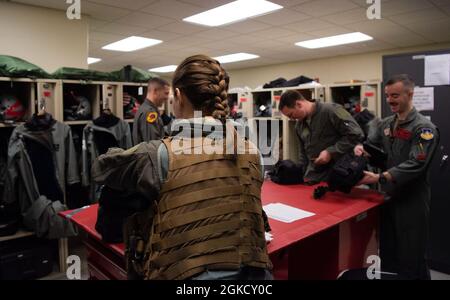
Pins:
<point x="157" y="82"/>
<point x="403" y="78"/>
<point x="289" y="98"/>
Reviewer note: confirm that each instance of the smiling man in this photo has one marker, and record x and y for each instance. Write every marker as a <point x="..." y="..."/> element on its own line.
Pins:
<point x="325" y="132"/>
<point x="410" y="140"/>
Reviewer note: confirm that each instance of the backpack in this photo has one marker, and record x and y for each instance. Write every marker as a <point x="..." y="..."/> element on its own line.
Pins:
<point x="287" y="172"/>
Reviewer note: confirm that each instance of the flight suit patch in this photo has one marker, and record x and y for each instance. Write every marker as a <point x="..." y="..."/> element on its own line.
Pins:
<point x="427" y="134"/>
<point x="403" y="134"/>
<point x="152" y="117"/>
<point x="387" y="132"/>
<point x="421" y="156"/>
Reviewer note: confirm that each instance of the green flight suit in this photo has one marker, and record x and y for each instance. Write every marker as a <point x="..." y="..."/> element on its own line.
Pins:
<point x="331" y="128"/>
<point x="410" y="146"/>
<point x="147" y="124"/>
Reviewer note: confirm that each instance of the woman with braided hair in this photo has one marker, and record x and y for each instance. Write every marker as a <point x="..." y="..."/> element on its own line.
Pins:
<point x="206" y="219"/>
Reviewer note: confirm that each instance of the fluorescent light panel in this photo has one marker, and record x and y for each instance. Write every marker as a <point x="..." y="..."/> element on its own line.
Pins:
<point x="235" y="57"/>
<point x="166" y="69"/>
<point x="93" y="60"/>
<point x="233" y="12"/>
<point x="131" y="43"/>
<point x="336" y="40"/>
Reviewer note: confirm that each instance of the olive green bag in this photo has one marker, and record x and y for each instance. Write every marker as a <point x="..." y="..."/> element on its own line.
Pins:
<point x="11" y="66"/>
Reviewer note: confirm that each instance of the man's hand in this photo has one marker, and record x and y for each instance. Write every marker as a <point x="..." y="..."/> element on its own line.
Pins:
<point x="323" y="159"/>
<point x="369" y="178"/>
<point x="359" y="150"/>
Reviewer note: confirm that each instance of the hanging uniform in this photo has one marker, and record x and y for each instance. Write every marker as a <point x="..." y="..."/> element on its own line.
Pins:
<point x="410" y="146"/>
<point x="107" y="131"/>
<point x="41" y="160"/>
<point x="147" y="125"/>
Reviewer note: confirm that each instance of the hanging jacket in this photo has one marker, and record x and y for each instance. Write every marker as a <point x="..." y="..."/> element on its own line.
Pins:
<point x="107" y="131"/>
<point x="41" y="160"/>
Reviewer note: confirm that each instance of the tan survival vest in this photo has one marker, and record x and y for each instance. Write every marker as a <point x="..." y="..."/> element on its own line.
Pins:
<point x="209" y="215"/>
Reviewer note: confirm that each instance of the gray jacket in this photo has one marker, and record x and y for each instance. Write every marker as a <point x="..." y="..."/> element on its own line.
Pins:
<point x="40" y="214"/>
<point x="90" y="152"/>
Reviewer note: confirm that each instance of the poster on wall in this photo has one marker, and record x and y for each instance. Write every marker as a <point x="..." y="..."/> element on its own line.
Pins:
<point x="424" y="98"/>
<point x="437" y="70"/>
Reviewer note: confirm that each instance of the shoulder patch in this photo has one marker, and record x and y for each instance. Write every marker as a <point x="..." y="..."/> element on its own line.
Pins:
<point x="152" y="117"/>
<point x="427" y="134"/>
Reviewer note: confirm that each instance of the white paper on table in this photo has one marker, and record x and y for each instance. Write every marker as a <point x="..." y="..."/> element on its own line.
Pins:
<point x="424" y="98"/>
<point x="437" y="69"/>
<point x="285" y="213"/>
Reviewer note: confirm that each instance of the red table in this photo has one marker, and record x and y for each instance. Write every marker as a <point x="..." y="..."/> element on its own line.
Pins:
<point x="341" y="235"/>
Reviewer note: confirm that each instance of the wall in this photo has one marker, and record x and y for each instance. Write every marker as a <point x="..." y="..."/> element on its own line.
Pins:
<point x="366" y="66"/>
<point x="44" y="37"/>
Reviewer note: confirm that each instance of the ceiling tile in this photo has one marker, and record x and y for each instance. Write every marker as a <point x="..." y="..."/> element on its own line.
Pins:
<point x="94" y="23"/>
<point x="122" y="29"/>
<point x="441" y="2"/>
<point x="216" y="34"/>
<point x="282" y="17"/>
<point x="309" y="25"/>
<point x="329" y="32"/>
<point x="181" y="27"/>
<point x="292" y="39"/>
<point x="103" y="12"/>
<point x="105" y="37"/>
<point x="175" y="10"/>
<point x="246" y="26"/>
<point x="433" y="30"/>
<point x="129" y="4"/>
<point x="424" y="15"/>
<point x="56" y="4"/>
<point x="272" y="33"/>
<point x="363" y="3"/>
<point x="160" y="35"/>
<point x="347" y="17"/>
<point x="207" y="4"/>
<point x="289" y="3"/>
<point x="396" y="7"/>
<point x="320" y="8"/>
<point x="144" y="20"/>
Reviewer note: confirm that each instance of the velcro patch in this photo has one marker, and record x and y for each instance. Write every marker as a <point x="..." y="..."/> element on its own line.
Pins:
<point x="152" y="117"/>
<point x="427" y="134"/>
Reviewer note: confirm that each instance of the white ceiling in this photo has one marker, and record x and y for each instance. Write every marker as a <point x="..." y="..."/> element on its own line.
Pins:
<point x="404" y="23"/>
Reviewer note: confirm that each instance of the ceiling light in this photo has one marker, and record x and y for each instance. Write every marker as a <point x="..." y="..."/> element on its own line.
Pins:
<point x="166" y="69"/>
<point x="235" y="57"/>
<point x="93" y="60"/>
<point x="131" y="43"/>
<point x="233" y="12"/>
<point x="330" y="41"/>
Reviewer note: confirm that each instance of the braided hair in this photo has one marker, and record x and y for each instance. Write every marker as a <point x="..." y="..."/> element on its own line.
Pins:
<point x="205" y="83"/>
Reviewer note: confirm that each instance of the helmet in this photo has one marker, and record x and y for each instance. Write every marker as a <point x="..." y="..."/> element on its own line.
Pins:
<point x="84" y="110"/>
<point x="11" y="108"/>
